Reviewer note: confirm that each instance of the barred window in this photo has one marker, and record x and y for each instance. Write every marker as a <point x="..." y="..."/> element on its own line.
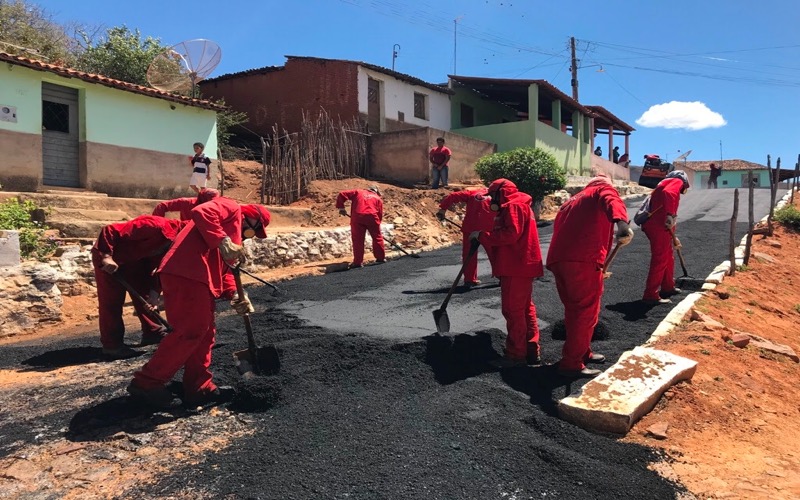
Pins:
<point x="420" y="106"/>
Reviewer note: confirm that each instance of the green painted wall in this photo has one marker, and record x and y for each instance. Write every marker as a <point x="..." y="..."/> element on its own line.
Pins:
<point x="507" y="136"/>
<point x="567" y="149"/>
<point x="19" y="88"/>
<point x="732" y="177"/>
<point x="486" y="112"/>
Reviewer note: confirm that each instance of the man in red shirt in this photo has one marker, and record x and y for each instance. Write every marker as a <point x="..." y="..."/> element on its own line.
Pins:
<point x="366" y="214"/>
<point x="439" y="157"/>
<point x="582" y="235"/>
<point x="659" y="229"/>
<point x="516" y="259"/>
<point x="184" y="205"/>
<point x="191" y="276"/>
<point x="477" y="217"/>
<point x="132" y="251"/>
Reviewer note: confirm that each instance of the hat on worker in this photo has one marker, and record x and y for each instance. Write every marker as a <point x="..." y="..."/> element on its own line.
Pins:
<point x="375" y="189"/>
<point x="259" y="213"/>
<point x="679" y="174"/>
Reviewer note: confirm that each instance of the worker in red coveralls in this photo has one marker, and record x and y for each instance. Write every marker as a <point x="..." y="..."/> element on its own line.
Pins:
<point x="366" y="214"/>
<point x="517" y="260"/>
<point x="477" y="217"/>
<point x="131" y="251"/>
<point x="582" y="235"/>
<point x="660" y="230"/>
<point x="184" y="206"/>
<point x="191" y="277"/>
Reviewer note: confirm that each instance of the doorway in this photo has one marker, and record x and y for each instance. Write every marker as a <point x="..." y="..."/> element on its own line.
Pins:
<point x="374" y="105"/>
<point x="60" y="136"/>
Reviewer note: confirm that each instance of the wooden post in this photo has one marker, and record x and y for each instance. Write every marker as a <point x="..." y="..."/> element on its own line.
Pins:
<point x="773" y="187"/>
<point x="221" y="173"/>
<point x="263" y="168"/>
<point x="732" y="270"/>
<point x="750" y="219"/>
<point x="796" y="174"/>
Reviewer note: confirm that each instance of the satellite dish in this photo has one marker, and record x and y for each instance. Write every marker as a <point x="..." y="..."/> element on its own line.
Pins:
<point x="682" y="157"/>
<point x="182" y="66"/>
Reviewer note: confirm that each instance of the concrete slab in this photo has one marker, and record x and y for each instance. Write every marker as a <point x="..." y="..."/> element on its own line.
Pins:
<point x="617" y="398"/>
<point x="9" y="248"/>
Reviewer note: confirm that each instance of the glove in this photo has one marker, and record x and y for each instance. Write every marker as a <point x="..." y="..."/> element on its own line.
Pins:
<point x="153" y="299"/>
<point x="676" y="243"/>
<point x="440" y="215"/>
<point x="670" y="222"/>
<point x="108" y="265"/>
<point x="242" y="306"/>
<point x="474" y="235"/>
<point x="624" y="233"/>
<point x="231" y="251"/>
<point x="343" y="212"/>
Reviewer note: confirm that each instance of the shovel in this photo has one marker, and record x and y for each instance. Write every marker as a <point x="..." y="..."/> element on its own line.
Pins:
<point x="453" y="223"/>
<point x="148" y="309"/>
<point x="254" y="360"/>
<point x="401" y="248"/>
<point x="686" y="276"/>
<point x="609" y="260"/>
<point x="440" y="315"/>
<point x="275" y="289"/>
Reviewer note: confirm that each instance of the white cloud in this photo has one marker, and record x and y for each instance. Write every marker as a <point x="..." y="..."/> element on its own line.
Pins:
<point x="685" y="115"/>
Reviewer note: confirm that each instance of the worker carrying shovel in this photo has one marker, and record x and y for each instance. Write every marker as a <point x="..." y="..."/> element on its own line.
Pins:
<point x="366" y="214"/>
<point x="517" y="260"/>
<point x="477" y="217"/>
<point x="582" y="235"/>
<point x="660" y="229"/>
<point x="191" y="277"/>
<point x="129" y="251"/>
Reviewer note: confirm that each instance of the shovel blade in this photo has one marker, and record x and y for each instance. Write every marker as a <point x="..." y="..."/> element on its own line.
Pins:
<point x="267" y="361"/>
<point x="442" y="320"/>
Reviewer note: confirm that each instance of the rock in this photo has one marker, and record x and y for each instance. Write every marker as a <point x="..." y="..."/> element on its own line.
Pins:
<point x="768" y="345"/>
<point x="774" y="244"/>
<point x="397" y="221"/>
<point x="22" y="470"/>
<point x="658" y="430"/>
<point x="738" y="339"/>
<point x="709" y="323"/>
<point x="765" y="257"/>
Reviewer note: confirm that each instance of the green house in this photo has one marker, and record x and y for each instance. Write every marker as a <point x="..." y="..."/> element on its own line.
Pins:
<point x="734" y="173"/>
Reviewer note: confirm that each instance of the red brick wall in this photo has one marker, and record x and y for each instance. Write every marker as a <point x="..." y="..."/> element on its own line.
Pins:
<point x="280" y="96"/>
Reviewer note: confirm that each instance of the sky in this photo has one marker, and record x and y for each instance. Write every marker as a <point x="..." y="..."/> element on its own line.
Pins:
<point x="719" y="78"/>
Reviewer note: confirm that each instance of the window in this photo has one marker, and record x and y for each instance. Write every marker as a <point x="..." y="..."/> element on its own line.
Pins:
<point x="467" y="116"/>
<point x="401" y="117"/>
<point x="420" y="106"/>
<point x="55" y="116"/>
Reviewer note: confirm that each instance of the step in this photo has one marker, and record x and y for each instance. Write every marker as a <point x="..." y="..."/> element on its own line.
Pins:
<point x="72" y="192"/>
<point x="84" y="215"/>
<point x="87" y="229"/>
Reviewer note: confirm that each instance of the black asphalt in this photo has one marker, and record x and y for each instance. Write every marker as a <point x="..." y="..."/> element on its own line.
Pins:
<point x="372" y="404"/>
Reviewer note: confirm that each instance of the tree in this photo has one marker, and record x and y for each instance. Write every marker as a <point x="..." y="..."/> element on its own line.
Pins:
<point x="121" y="54"/>
<point x="28" y="30"/>
<point x="533" y="170"/>
<point x="226" y="122"/>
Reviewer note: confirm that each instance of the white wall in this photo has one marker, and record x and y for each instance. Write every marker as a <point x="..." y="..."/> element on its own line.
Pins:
<point x="398" y="95"/>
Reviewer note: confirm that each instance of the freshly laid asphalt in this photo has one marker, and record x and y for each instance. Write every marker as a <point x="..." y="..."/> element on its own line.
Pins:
<point x="373" y="404"/>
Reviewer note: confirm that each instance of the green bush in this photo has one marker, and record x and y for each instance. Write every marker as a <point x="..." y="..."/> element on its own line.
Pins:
<point x="17" y="216"/>
<point x="533" y="170"/>
<point x="789" y="216"/>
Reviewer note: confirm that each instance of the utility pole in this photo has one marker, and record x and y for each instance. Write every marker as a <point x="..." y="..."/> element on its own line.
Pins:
<point x="574" y="69"/>
<point x="395" y="48"/>
<point x="455" y="41"/>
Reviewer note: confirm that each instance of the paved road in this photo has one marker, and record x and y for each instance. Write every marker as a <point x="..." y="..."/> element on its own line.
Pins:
<point x="375" y="406"/>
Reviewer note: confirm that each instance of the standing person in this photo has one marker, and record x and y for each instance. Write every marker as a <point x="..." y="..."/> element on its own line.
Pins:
<point x="624" y="160"/>
<point x="129" y="250"/>
<point x="366" y="214"/>
<point x="478" y="217"/>
<point x="582" y="235"/>
<point x="616" y="154"/>
<point x="516" y="259"/>
<point x="191" y="277"/>
<point x="439" y="157"/>
<point x="715" y="173"/>
<point x="184" y="206"/>
<point x="598" y="151"/>
<point x="660" y="230"/>
<point x="201" y="168"/>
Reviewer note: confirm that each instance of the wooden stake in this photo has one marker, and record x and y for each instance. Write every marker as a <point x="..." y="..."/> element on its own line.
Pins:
<point x="732" y="270"/>
<point x="750" y="218"/>
<point x="221" y="173"/>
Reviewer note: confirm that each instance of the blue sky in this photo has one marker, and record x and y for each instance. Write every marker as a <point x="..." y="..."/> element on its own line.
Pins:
<point x="718" y="77"/>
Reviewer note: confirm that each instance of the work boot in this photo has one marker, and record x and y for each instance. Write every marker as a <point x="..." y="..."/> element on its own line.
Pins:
<point x="354" y="266"/>
<point x="122" y="352"/>
<point x="670" y="293"/>
<point x="582" y="373"/>
<point x="595" y="358"/>
<point x="159" y="397"/>
<point x="506" y="362"/>
<point x="153" y="337"/>
<point x="470" y="284"/>
<point x="221" y="394"/>
<point x="534" y="356"/>
<point x="656" y="302"/>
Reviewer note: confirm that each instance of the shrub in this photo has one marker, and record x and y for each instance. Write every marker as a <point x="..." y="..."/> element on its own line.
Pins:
<point x="533" y="170"/>
<point x="789" y="216"/>
<point x="17" y="216"/>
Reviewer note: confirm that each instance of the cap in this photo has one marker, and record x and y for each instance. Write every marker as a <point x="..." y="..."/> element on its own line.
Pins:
<point x="374" y="189"/>
<point x="257" y="212"/>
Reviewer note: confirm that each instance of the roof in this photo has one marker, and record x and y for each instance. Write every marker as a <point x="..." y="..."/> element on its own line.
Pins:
<point x="703" y="165"/>
<point x="604" y="118"/>
<point x="512" y="92"/>
<point x="400" y="76"/>
<point x="107" y="82"/>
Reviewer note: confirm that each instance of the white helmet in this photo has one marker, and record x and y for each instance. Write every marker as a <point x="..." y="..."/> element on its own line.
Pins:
<point x="679" y="174"/>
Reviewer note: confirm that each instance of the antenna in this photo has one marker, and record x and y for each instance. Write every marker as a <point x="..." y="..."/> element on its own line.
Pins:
<point x="182" y="66"/>
<point x="395" y="48"/>
<point x="455" y="41"/>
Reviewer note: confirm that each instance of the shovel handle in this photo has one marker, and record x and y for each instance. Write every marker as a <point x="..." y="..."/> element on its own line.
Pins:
<point x="265" y="282"/>
<point x="453" y="223"/>
<point x="609" y="260"/>
<point x="146" y="305"/>
<point x="680" y="254"/>
<point x="248" y="326"/>
<point x="472" y="249"/>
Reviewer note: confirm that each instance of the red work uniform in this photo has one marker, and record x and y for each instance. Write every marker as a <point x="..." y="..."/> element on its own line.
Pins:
<point x="582" y="234"/>
<point x="137" y="247"/>
<point x="184" y="205"/>
<point x="517" y="260"/>
<point x="191" y="276"/>
<point x="366" y="214"/>
<point x="664" y="201"/>
<point x="478" y="217"/>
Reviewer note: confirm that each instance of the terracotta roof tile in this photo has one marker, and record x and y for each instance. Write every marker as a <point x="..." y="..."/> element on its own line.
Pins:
<point x="703" y="166"/>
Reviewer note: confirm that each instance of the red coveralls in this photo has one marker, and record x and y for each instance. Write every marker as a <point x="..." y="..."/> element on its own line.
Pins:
<point x="478" y="217"/>
<point x="582" y="234"/>
<point x="192" y="278"/>
<point x="184" y="205"/>
<point x="136" y="246"/>
<point x="366" y="214"/>
<point x="516" y="259"/>
<point x="664" y="201"/>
